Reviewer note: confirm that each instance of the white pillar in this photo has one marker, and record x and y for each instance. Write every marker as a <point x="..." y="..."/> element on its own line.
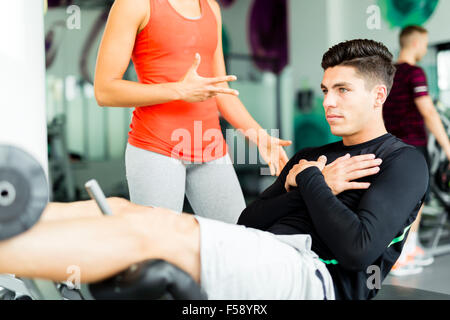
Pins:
<point x="22" y="77"/>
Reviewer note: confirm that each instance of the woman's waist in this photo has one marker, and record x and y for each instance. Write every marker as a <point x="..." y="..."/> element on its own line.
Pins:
<point x="178" y="115"/>
<point x="176" y="135"/>
<point x="179" y="110"/>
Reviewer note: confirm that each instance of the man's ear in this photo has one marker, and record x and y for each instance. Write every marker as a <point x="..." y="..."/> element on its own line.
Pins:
<point x="381" y="94"/>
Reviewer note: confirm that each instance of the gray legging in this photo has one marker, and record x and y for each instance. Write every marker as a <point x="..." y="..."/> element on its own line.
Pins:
<point x="212" y="188"/>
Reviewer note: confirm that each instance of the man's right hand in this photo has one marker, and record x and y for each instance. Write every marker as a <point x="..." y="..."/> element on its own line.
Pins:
<point x="340" y="174"/>
<point x="194" y="88"/>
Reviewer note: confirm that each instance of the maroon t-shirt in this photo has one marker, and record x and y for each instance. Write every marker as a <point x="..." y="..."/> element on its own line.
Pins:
<point x="401" y="116"/>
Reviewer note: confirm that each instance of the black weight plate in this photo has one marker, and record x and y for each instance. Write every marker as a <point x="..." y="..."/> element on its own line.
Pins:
<point x="24" y="191"/>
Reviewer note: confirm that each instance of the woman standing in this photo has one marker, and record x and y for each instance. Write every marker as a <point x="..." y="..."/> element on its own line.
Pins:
<point x="175" y="145"/>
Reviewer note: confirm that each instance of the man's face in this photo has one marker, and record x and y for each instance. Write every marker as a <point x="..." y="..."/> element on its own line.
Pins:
<point x="348" y="103"/>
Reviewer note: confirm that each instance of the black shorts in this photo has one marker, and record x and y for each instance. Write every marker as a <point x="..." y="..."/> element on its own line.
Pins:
<point x="424" y="151"/>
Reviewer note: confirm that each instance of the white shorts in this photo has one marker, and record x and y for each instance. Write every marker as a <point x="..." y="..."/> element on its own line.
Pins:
<point x="239" y="263"/>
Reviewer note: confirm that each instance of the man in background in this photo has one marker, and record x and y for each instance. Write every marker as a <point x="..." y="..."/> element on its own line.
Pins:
<point x="408" y="111"/>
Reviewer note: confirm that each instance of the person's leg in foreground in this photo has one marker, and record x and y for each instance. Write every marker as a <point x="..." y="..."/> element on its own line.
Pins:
<point x="101" y="246"/>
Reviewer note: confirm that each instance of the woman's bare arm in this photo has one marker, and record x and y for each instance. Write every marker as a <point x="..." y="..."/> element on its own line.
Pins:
<point x="125" y="20"/>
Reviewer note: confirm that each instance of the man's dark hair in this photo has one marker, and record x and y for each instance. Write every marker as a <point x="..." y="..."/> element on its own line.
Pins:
<point x="371" y="60"/>
<point x="408" y="31"/>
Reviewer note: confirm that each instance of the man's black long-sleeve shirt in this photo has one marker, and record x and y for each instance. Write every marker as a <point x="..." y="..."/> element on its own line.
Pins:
<point x="357" y="228"/>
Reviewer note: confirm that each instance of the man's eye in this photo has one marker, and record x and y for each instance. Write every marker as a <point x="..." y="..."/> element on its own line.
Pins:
<point x="343" y="90"/>
<point x="324" y="91"/>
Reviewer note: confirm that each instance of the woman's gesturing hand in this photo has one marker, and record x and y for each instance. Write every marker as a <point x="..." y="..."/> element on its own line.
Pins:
<point x="271" y="150"/>
<point x="194" y="88"/>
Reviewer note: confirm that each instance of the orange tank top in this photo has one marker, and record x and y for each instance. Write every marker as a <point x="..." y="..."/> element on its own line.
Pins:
<point x="164" y="51"/>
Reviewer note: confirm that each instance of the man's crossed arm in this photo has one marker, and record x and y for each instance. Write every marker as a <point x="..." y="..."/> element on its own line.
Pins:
<point x="279" y="201"/>
<point x="358" y="237"/>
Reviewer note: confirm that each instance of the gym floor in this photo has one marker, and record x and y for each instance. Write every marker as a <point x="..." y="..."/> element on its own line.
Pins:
<point x="435" y="277"/>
